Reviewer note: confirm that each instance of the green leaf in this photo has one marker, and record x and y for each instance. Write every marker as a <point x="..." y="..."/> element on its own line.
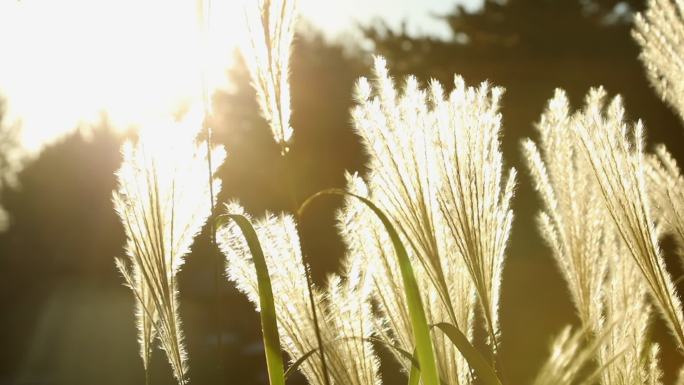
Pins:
<point x="419" y="325"/>
<point x="269" y="322"/>
<point x="478" y="363"/>
<point x="414" y="375"/>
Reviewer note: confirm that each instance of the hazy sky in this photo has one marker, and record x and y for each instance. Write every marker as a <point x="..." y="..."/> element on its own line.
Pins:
<point x="65" y="62"/>
<point x="335" y="16"/>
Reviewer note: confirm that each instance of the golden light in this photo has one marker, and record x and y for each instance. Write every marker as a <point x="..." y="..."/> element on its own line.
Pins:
<point x="65" y="63"/>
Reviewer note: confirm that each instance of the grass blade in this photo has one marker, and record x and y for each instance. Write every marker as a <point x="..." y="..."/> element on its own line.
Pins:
<point x="421" y="330"/>
<point x="295" y="365"/>
<point x="269" y="322"/>
<point x="478" y="363"/>
<point x="414" y="374"/>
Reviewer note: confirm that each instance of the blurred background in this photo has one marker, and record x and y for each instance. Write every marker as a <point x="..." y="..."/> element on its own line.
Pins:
<point x="65" y="317"/>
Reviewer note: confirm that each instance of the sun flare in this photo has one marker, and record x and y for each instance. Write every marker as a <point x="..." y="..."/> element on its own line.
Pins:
<point x="67" y="63"/>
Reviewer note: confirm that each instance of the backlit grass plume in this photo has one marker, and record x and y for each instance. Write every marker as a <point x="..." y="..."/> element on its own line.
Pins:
<point x="267" y="54"/>
<point x="608" y="290"/>
<point x="344" y="312"/>
<point x="666" y="186"/>
<point x="475" y="195"/>
<point x="571" y="362"/>
<point x="436" y="169"/>
<point x="566" y="360"/>
<point x="162" y="202"/>
<point x="615" y="153"/>
<point x="572" y="220"/>
<point x="660" y="33"/>
<point x="365" y="237"/>
<point x="625" y="353"/>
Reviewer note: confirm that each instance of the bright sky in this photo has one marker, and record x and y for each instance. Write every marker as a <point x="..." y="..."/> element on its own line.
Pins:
<point x="65" y="62"/>
<point x="336" y="16"/>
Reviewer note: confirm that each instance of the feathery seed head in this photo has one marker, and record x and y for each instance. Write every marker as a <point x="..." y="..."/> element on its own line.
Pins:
<point x="267" y="54"/>
<point x="567" y="359"/>
<point x="609" y="291"/>
<point x="615" y="153"/>
<point x="436" y="169"/>
<point x="572" y="220"/>
<point x="666" y="189"/>
<point x="163" y="202"/>
<point x="660" y="33"/>
<point x="345" y="321"/>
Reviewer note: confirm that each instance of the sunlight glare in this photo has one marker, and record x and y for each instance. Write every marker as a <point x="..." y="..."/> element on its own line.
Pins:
<point x="66" y="63"/>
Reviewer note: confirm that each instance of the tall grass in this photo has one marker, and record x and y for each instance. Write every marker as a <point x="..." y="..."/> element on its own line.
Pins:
<point x="659" y="31"/>
<point x="436" y="169"/>
<point x="608" y="290"/>
<point x="159" y="201"/>
<point x="618" y="163"/>
<point x="426" y="228"/>
<point x="666" y="188"/>
<point x="343" y="306"/>
<point x="267" y="53"/>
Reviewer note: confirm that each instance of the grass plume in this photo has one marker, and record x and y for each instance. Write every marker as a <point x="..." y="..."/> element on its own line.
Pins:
<point x="345" y="320"/>
<point x="666" y="188"/>
<point x="267" y="54"/>
<point x="608" y="291"/>
<point x="571" y="222"/>
<point x="162" y="202"/>
<point x="617" y="159"/>
<point x="568" y="359"/>
<point x="437" y="183"/>
<point x="660" y="32"/>
<point x="366" y="237"/>
<point x="437" y="170"/>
